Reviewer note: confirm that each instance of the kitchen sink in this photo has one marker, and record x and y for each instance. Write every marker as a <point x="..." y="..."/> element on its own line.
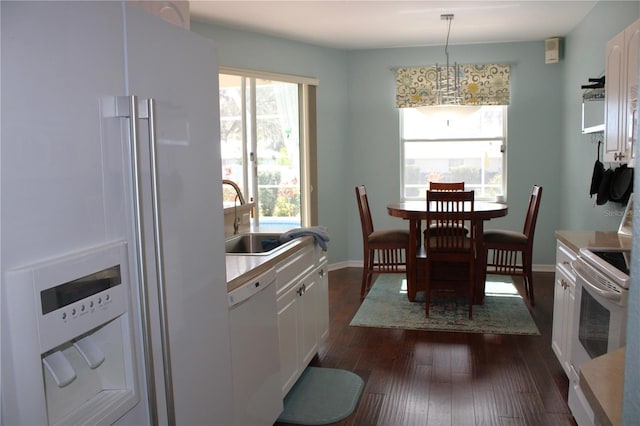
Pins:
<point x="253" y="244"/>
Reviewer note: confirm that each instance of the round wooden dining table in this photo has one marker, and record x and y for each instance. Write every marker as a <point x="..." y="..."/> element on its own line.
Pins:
<point x="415" y="212"/>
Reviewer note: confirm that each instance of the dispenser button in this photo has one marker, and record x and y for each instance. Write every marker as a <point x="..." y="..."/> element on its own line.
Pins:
<point x="90" y="351"/>
<point x="60" y="368"/>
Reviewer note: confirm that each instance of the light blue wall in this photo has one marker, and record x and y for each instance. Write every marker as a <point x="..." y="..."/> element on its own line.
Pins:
<point x="584" y="58"/>
<point x="255" y="51"/>
<point x="358" y="125"/>
<point x="535" y="131"/>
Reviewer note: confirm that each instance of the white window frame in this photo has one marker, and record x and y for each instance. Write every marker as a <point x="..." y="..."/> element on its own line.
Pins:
<point x="503" y="150"/>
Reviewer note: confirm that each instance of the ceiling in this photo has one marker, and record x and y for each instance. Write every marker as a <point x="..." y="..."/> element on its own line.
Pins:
<point x="356" y="24"/>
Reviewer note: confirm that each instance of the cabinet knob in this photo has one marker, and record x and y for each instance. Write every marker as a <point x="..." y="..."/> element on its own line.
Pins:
<point x="301" y="289"/>
<point x="321" y="272"/>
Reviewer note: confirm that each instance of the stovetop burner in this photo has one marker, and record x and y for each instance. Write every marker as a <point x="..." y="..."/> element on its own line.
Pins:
<point x="615" y="258"/>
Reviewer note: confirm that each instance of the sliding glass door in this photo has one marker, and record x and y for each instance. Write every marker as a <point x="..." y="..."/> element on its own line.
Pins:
<point x="261" y="146"/>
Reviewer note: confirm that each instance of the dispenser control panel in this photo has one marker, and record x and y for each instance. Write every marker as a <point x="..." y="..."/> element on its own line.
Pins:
<point x="71" y="352"/>
<point x="79" y="305"/>
<point x="75" y="294"/>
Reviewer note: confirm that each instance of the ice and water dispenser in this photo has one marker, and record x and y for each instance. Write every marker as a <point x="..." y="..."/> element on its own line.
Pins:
<point x="71" y="351"/>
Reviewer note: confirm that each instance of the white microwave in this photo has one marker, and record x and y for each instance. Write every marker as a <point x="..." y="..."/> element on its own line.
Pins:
<point x="592" y="116"/>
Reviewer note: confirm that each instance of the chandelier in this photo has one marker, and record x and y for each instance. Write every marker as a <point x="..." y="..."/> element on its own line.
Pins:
<point x="448" y="78"/>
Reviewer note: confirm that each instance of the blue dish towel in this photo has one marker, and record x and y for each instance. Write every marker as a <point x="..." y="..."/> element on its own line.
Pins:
<point x="318" y="232"/>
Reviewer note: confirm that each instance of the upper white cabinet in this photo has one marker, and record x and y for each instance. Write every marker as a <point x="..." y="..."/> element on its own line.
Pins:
<point x="621" y="65"/>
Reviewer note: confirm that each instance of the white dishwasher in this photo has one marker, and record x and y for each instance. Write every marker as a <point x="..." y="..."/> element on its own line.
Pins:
<point x="255" y="356"/>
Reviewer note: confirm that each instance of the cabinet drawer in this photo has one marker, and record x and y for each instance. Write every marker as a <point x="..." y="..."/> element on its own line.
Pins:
<point x="321" y="255"/>
<point x="564" y="256"/>
<point x="294" y="267"/>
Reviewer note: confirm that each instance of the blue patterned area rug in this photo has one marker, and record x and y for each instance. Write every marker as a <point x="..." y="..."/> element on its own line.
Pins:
<point x="503" y="310"/>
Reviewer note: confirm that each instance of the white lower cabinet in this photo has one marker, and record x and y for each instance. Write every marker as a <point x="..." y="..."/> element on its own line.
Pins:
<point x="303" y="311"/>
<point x="563" y="306"/>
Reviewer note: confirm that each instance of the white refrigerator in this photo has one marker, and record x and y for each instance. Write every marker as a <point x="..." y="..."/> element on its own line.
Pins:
<point x="81" y="183"/>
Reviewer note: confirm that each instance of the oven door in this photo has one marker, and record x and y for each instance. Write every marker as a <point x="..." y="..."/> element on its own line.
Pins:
<point x="599" y="324"/>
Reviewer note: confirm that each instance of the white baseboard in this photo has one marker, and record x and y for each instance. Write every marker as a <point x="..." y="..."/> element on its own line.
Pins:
<point x="544" y="268"/>
<point x="346" y="264"/>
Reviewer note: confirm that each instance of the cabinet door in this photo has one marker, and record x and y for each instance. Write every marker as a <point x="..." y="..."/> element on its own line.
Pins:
<point x="322" y="302"/>
<point x="309" y="317"/>
<point x="564" y="296"/>
<point x="569" y="308"/>
<point x="632" y="44"/>
<point x="559" y="318"/>
<point x="289" y="337"/>
<point x="614" y="103"/>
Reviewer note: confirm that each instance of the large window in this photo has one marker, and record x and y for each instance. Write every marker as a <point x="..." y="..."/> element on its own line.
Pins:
<point x="263" y="124"/>
<point x="452" y="144"/>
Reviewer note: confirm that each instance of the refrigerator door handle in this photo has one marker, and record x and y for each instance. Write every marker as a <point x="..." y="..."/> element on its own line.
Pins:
<point x="133" y="109"/>
<point x="160" y="273"/>
<point x="133" y="114"/>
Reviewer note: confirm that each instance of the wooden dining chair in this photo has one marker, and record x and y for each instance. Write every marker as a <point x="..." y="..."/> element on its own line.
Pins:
<point x="385" y="251"/>
<point x="448" y="249"/>
<point x="447" y="186"/>
<point x="510" y="253"/>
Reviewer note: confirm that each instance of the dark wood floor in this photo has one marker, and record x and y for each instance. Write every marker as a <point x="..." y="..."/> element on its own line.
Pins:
<point x="438" y="378"/>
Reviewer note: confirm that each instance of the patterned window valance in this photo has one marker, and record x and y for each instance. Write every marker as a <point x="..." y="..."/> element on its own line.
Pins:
<point x="486" y="84"/>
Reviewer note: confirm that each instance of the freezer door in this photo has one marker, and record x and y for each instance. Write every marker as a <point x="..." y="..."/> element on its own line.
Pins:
<point x="58" y="60"/>
<point x="59" y="195"/>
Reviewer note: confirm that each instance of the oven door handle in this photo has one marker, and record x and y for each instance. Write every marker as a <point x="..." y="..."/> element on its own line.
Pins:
<point x="607" y="293"/>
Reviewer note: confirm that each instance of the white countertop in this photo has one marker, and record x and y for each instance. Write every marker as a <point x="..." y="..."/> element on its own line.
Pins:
<point x="602" y="381"/>
<point x="241" y="268"/>
<point x="576" y="240"/>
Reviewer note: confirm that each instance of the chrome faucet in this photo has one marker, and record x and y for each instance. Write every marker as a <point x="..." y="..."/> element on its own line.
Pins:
<point x="236" y="219"/>
<point x="236" y="188"/>
<point x="238" y="197"/>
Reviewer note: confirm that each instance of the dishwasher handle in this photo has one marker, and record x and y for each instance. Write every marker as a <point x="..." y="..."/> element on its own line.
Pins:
<point x="248" y="289"/>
